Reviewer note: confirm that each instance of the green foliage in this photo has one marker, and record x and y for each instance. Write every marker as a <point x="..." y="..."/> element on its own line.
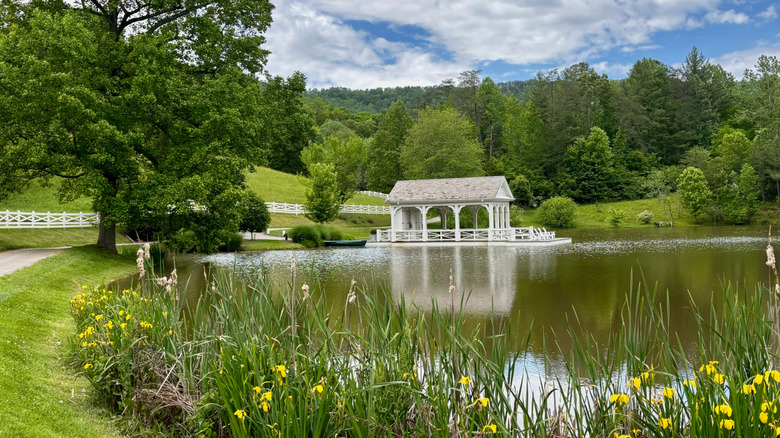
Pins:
<point x="645" y="217"/>
<point x="694" y="193"/>
<point x="521" y="189"/>
<point x="590" y="164"/>
<point x="615" y="217"/>
<point x="348" y="159"/>
<point x="322" y="201"/>
<point x="384" y="149"/>
<point x="254" y="215"/>
<point x="289" y="126"/>
<point x="141" y="123"/>
<point x="230" y="242"/>
<point x="557" y="212"/>
<point x="441" y="144"/>
<point x="740" y="198"/>
<point x="312" y="236"/>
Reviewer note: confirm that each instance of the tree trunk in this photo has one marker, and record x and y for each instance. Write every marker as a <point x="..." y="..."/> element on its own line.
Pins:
<point x="106" y="235"/>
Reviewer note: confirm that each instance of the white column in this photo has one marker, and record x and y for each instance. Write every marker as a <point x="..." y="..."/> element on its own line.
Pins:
<point x="393" y="211"/>
<point x="456" y="212"/>
<point x="424" y="212"/>
<point x="508" y="217"/>
<point x="476" y="216"/>
<point x="491" y="220"/>
<point x="443" y="217"/>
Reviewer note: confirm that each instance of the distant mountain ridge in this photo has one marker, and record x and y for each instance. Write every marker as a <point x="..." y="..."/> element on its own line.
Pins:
<point x="376" y="100"/>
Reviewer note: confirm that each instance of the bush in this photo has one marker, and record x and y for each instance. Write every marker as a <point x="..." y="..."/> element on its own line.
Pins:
<point x="183" y="241"/>
<point x="230" y="242"/>
<point x="614" y="217"/>
<point x="312" y="236"/>
<point x="645" y="217"/>
<point x="515" y="215"/>
<point x="557" y="212"/>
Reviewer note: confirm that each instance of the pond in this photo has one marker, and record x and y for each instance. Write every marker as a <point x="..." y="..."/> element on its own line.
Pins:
<point x="537" y="289"/>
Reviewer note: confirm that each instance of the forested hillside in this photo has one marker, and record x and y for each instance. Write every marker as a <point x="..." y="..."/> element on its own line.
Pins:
<point x="572" y="132"/>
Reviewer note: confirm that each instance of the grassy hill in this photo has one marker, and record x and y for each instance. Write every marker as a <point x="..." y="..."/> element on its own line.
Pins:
<point x="270" y="184"/>
<point x="275" y="186"/>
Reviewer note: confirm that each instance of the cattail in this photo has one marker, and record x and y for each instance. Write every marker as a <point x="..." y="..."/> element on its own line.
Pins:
<point x="174" y="278"/>
<point x="305" y="289"/>
<point x="139" y="261"/>
<point x="147" y="256"/>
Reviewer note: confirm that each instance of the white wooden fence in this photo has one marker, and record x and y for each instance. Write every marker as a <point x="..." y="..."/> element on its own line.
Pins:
<point x="377" y="194"/>
<point x="282" y="207"/>
<point x="21" y="219"/>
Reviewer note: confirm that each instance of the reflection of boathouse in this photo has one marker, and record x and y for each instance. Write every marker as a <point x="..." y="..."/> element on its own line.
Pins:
<point x="410" y="202"/>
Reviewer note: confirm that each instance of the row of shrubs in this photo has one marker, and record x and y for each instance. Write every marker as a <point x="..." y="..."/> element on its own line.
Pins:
<point x="312" y="236"/>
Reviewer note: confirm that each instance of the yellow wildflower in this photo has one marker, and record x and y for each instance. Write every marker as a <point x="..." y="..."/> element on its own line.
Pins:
<point x="621" y="436"/>
<point x="634" y="382"/>
<point x="318" y="389"/>
<point x="84" y="287"/>
<point x="257" y="389"/>
<point x="748" y="389"/>
<point x="777" y="431"/>
<point x="88" y="366"/>
<point x="98" y="317"/>
<point x="619" y="398"/>
<point x="264" y="406"/>
<point x="665" y="423"/>
<point x="282" y="370"/>
<point x="723" y="409"/>
<point x="669" y="392"/>
<point x="645" y="376"/>
<point x="727" y="424"/>
<point x="719" y="378"/>
<point x="170" y="332"/>
<point x="465" y="381"/>
<point x="763" y="417"/>
<point x="691" y="383"/>
<point x="764" y="407"/>
<point x="758" y="379"/>
<point x="121" y="313"/>
<point x="267" y="396"/>
<point x="489" y="427"/>
<point x="483" y="401"/>
<point x="241" y="414"/>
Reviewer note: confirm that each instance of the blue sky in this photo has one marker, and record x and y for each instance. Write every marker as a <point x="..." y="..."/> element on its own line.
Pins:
<point x="387" y="43"/>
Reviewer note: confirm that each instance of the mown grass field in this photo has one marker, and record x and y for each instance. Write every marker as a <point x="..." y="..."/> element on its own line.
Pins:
<point x="41" y="397"/>
<point x="275" y="186"/>
<point x="50" y="238"/>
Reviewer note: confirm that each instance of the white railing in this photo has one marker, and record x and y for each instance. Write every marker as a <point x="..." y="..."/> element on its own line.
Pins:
<point x="283" y="207"/>
<point x="495" y="235"/>
<point x="21" y="219"/>
<point x="372" y="193"/>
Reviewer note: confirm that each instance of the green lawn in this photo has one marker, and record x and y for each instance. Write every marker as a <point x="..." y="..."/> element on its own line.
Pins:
<point x="275" y="186"/>
<point x="595" y="216"/>
<point x="40" y="395"/>
<point x="258" y="245"/>
<point x="49" y="238"/>
<point x="42" y="199"/>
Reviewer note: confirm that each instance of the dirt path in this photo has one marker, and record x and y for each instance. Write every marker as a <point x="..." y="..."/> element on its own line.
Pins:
<point x="11" y="261"/>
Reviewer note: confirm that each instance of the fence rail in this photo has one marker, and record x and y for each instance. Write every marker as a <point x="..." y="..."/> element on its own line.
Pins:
<point x="32" y="219"/>
<point x="372" y="193"/>
<point x="282" y="207"/>
<point x="21" y="219"/>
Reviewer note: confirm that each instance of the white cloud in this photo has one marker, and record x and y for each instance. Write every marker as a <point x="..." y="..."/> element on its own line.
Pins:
<point x="727" y="17"/>
<point x="612" y="69"/>
<point x="311" y="36"/>
<point x="769" y="14"/>
<point x="738" y="61"/>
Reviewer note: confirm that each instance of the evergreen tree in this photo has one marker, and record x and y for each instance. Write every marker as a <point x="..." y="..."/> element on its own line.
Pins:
<point x="384" y="149"/>
<point x="590" y="164"/>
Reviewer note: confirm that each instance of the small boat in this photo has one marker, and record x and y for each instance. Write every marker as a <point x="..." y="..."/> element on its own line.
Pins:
<point x="357" y="243"/>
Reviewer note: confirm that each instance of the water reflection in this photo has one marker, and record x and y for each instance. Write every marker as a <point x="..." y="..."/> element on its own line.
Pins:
<point x="539" y="287"/>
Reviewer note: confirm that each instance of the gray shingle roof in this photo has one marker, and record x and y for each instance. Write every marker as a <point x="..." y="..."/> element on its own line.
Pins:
<point x="448" y="189"/>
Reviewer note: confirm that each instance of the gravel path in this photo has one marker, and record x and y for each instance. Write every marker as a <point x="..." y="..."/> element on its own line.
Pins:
<point x="11" y="261"/>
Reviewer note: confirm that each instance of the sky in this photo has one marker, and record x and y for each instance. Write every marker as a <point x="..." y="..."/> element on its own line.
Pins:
<point x="363" y="44"/>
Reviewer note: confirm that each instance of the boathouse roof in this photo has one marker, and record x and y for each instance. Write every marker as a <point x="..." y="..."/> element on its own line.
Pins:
<point x="484" y="188"/>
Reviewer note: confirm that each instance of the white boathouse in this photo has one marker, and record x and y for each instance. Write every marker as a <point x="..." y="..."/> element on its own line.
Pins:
<point x="410" y="201"/>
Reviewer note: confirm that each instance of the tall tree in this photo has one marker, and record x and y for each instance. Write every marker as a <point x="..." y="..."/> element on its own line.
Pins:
<point x="348" y="158"/>
<point x="491" y="102"/>
<point x="694" y="193"/>
<point x="590" y="164"/>
<point x="441" y="144"/>
<point x="288" y="120"/>
<point x="139" y="105"/>
<point x="469" y="82"/>
<point x="384" y="149"/>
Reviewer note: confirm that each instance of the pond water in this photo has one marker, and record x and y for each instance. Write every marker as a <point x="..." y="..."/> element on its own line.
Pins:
<point x="535" y="289"/>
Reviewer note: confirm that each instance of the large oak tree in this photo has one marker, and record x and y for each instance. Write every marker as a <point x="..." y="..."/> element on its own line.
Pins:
<point x="147" y="107"/>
